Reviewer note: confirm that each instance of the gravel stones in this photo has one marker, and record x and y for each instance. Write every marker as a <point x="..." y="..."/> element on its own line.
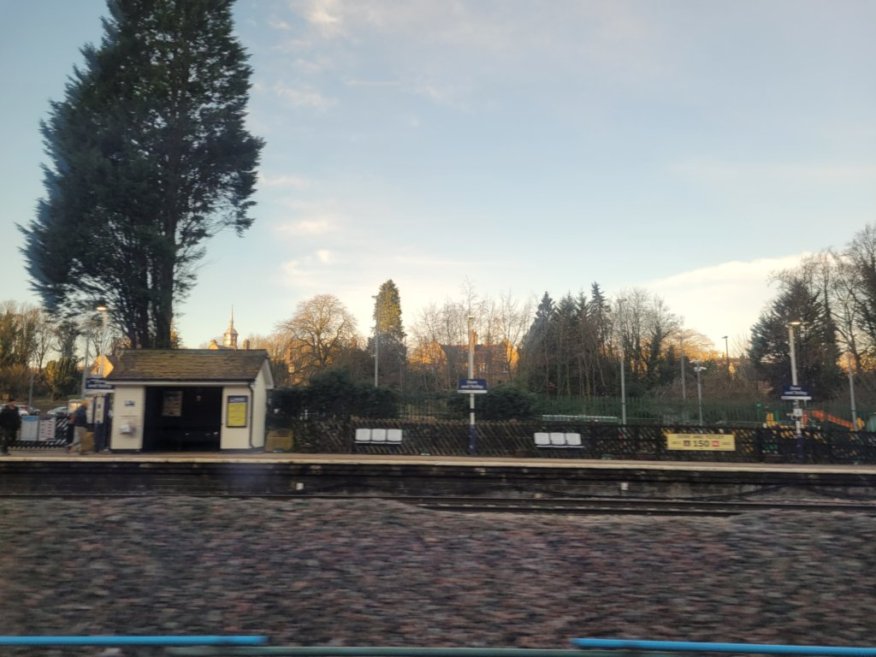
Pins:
<point x="317" y="572"/>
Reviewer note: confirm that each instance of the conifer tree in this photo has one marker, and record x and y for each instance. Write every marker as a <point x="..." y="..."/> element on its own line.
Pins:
<point x="148" y="157"/>
<point x="392" y="349"/>
<point x="815" y="342"/>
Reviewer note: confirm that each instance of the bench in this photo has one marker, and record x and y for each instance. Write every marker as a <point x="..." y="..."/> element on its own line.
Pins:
<point x="378" y="436"/>
<point x="557" y="440"/>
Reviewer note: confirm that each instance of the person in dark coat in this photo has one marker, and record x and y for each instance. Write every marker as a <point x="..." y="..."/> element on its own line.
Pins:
<point x="10" y="423"/>
<point x="80" y="426"/>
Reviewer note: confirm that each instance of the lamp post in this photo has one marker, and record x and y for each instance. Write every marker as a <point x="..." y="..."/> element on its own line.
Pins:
<point x="726" y="354"/>
<point x="84" y="367"/>
<point x="472" y="432"/>
<point x="852" y="394"/>
<point x="797" y="412"/>
<point x="101" y="308"/>
<point x="623" y="357"/>
<point x="699" y="367"/>
<point x="376" y="337"/>
<point x="683" y="386"/>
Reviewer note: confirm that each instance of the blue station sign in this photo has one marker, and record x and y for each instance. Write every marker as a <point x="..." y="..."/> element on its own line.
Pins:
<point x="97" y="383"/>
<point x="796" y="393"/>
<point x="472" y="386"/>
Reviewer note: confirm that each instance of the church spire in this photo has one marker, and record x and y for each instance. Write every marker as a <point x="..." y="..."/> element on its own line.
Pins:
<point x="229" y="338"/>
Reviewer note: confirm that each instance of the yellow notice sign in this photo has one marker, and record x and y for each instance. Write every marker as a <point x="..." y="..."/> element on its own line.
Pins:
<point x="237" y="410"/>
<point x="702" y="442"/>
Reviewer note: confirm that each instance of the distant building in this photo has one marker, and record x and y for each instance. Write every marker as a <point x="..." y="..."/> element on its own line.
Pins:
<point x="229" y="338"/>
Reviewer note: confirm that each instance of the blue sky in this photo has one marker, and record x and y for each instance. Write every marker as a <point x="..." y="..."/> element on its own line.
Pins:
<point x="687" y="148"/>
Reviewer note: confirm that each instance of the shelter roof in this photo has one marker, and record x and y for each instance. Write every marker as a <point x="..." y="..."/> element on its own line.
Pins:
<point x="188" y="365"/>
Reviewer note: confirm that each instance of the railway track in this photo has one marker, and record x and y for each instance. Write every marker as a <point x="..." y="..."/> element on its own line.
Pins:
<point x="614" y="506"/>
<point x="635" y="506"/>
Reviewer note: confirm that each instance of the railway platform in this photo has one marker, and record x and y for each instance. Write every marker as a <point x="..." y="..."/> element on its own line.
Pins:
<point x="57" y="473"/>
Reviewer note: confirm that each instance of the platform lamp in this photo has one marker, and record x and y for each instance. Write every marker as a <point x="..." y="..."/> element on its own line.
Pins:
<point x="698" y="368"/>
<point x="100" y="307"/>
<point x="623" y="357"/>
<point x="472" y="431"/>
<point x="376" y="339"/>
<point x="797" y="412"/>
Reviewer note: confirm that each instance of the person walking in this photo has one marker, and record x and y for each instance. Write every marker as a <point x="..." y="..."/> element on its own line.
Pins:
<point x="10" y="423"/>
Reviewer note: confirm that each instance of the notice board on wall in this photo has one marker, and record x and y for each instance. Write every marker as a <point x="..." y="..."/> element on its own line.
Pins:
<point x="237" y="410"/>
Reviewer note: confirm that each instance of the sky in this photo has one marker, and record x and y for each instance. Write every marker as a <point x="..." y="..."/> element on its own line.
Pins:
<point x="690" y="149"/>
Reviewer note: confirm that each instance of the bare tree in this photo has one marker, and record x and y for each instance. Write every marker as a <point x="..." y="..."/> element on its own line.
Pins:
<point x="317" y="335"/>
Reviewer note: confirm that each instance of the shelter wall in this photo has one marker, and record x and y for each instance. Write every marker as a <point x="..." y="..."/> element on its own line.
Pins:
<point x="128" y="416"/>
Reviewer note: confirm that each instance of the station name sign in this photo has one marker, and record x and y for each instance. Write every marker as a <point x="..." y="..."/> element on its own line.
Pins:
<point x="796" y="393"/>
<point x="97" y="383"/>
<point x="472" y="386"/>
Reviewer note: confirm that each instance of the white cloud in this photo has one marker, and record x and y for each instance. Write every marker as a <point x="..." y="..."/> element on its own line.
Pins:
<point x="277" y="24"/>
<point x="283" y="181"/>
<point x="295" y="275"/>
<point x="306" y="97"/>
<point x="723" y="172"/>
<point x="325" y="15"/>
<point x="724" y="299"/>
<point x="308" y="227"/>
<point x="324" y="256"/>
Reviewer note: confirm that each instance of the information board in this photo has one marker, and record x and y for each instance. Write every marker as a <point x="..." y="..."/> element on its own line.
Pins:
<point x="237" y="411"/>
<point x="172" y="403"/>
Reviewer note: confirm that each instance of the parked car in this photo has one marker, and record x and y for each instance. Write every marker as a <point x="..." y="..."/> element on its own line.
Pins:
<point x="24" y="409"/>
<point x="58" y="411"/>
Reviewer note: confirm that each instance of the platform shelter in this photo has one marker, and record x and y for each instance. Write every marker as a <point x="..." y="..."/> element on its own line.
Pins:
<point x="189" y="399"/>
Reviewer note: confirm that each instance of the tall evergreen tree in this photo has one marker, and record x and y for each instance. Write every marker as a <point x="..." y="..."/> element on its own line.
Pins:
<point x="536" y="353"/>
<point x="392" y="349"/>
<point x="149" y="157"/>
<point x="815" y="342"/>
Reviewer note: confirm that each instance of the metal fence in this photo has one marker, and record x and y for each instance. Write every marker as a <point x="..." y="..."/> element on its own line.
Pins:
<point x="436" y="437"/>
<point x="41" y="433"/>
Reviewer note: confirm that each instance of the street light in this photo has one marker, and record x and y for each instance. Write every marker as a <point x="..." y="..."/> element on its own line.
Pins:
<point x="726" y="354"/>
<point x="623" y="357"/>
<point x="376" y="337"/>
<point x="683" y="385"/>
<point x="699" y="367"/>
<point x="852" y="393"/>
<point x="798" y="413"/>
<point x="101" y="308"/>
<point x="472" y="432"/>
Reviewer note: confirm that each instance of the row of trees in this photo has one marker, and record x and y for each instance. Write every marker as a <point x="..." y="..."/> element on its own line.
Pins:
<point x="576" y="346"/>
<point x="831" y="301"/>
<point x="38" y="353"/>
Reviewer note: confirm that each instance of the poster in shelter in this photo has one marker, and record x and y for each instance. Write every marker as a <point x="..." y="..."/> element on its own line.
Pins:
<point x="236" y="413"/>
<point x="172" y="403"/>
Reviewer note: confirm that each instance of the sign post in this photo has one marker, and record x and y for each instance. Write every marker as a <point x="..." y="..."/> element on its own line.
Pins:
<point x="472" y="387"/>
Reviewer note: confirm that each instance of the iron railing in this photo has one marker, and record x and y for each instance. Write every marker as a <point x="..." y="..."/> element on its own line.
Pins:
<point x="435" y="437"/>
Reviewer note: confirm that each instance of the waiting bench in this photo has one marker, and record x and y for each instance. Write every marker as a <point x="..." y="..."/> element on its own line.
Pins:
<point x="557" y="440"/>
<point x="378" y="436"/>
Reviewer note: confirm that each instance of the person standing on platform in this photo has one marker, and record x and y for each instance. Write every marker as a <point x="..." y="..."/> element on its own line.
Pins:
<point x="10" y="423"/>
<point x="80" y="425"/>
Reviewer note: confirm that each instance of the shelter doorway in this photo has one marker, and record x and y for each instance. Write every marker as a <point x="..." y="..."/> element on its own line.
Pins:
<point x="182" y="418"/>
